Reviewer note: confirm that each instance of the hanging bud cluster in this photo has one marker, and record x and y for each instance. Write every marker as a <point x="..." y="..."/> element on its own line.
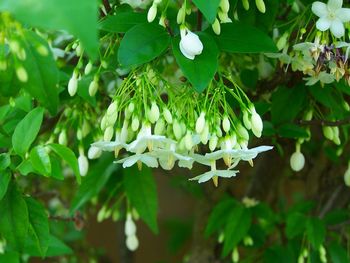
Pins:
<point x="155" y="128"/>
<point x="223" y="17"/>
<point x="132" y="242"/>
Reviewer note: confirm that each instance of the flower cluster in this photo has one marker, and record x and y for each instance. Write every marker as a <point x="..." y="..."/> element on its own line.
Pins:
<point x="158" y="125"/>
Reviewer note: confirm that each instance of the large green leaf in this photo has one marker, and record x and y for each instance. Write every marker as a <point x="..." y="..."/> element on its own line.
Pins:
<point x="94" y="181"/>
<point x="5" y="161"/>
<point x="40" y="160"/>
<point x="27" y="130"/>
<point x="316" y="232"/>
<point x="68" y="156"/>
<point x="295" y="225"/>
<point x="140" y="188"/>
<point x="218" y="216"/>
<point x="121" y="22"/>
<point x="39" y="225"/>
<point x="142" y="43"/>
<point x="10" y="257"/>
<point x="202" y="69"/>
<point x="208" y="8"/>
<point x="14" y="220"/>
<point x="78" y="17"/>
<point x="5" y="177"/>
<point x="241" y="38"/>
<point x="42" y="72"/>
<point x="56" y="247"/>
<point x="239" y="222"/>
<point x="337" y="253"/>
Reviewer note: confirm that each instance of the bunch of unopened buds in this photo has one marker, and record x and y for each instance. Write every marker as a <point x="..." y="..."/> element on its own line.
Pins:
<point x="158" y="124"/>
<point x="323" y="56"/>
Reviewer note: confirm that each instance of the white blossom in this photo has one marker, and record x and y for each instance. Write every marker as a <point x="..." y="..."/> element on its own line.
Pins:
<point x="190" y="44"/>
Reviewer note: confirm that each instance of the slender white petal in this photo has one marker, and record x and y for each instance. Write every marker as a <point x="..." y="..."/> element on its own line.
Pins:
<point x="334" y="4"/>
<point x="337" y="28"/>
<point x="323" y="23"/>
<point x="319" y="9"/>
<point x="129" y="161"/>
<point x="109" y="146"/>
<point x="208" y="175"/>
<point x="343" y="14"/>
<point x="149" y="161"/>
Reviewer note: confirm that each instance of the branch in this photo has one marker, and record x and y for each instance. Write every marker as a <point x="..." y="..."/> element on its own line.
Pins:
<point x="325" y="122"/>
<point x="199" y="20"/>
<point x="78" y="219"/>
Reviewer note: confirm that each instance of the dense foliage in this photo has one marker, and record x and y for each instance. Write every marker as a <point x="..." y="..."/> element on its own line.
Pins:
<point x="99" y="99"/>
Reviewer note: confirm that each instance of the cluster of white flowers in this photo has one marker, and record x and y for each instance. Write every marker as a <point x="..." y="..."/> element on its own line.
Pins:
<point x="161" y="128"/>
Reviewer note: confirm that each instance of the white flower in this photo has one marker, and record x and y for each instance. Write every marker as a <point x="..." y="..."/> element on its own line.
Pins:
<point x="145" y="158"/>
<point x="331" y="16"/>
<point x="136" y="3"/>
<point x="216" y="173"/>
<point x="94" y="152"/>
<point x="190" y="44"/>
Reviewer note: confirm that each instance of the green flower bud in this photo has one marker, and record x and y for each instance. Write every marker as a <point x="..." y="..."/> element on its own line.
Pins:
<point x="22" y="74"/>
<point x="204" y="136"/>
<point x="167" y="116"/>
<point x="242" y="132"/>
<point x="188" y="141"/>
<point x="225" y="5"/>
<point x="246" y="120"/>
<point x="62" y="137"/>
<point x="103" y="124"/>
<point x="200" y="123"/>
<point x="131" y="107"/>
<point x="135" y="123"/>
<point x="213" y="142"/>
<point x="108" y="134"/>
<point x="180" y="19"/>
<point x="152" y="12"/>
<point x="153" y="114"/>
<point x="245" y="4"/>
<point x="336" y="138"/>
<point x="216" y="27"/>
<point x="93" y="87"/>
<point x="42" y="50"/>
<point x="260" y="5"/>
<point x="177" y="129"/>
<point x="226" y="125"/>
<point x="297" y="161"/>
<point x="112" y="108"/>
<point x="159" y="127"/>
<point x="328" y="132"/>
<point x="235" y="255"/>
<point x="83" y="165"/>
<point x="88" y="68"/>
<point x="257" y="124"/>
<point x="347" y="176"/>
<point x="3" y="65"/>
<point x="73" y="84"/>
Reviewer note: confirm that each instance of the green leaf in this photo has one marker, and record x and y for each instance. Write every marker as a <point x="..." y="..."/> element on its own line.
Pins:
<point x="295" y="225"/>
<point x="42" y="72"/>
<point x="337" y="253"/>
<point x="40" y="160"/>
<point x="121" y="22"/>
<point x="239" y="222"/>
<point x="5" y="161"/>
<point x="5" y="177"/>
<point x="79" y="17"/>
<point x="241" y="38"/>
<point x="282" y="110"/>
<point x="208" y="8"/>
<point x="201" y="70"/>
<point x="293" y="131"/>
<point x="14" y="220"/>
<point x="27" y="130"/>
<point x="56" y="168"/>
<point x="55" y="248"/>
<point x="39" y="225"/>
<point x="142" y="43"/>
<point x="67" y="155"/>
<point x="10" y="257"/>
<point x="218" y="216"/>
<point x="25" y="167"/>
<point x="140" y="188"/>
<point x="316" y="232"/>
<point x="94" y="181"/>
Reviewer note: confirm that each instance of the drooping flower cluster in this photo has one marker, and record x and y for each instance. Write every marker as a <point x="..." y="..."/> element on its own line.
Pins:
<point x="157" y="125"/>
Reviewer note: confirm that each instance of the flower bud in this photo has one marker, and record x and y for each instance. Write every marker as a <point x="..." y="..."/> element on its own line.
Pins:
<point x="200" y="123"/>
<point x="73" y="84"/>
<point x="93" y="87"/>
<point x="297" y="161"/>
<point x="257" y="124"/>
<point x="242" y="132"/>
<point x="190" y="44"/>
<point x="282" y="41"/>
<point x="162" y="21"/>
<point x="226" y="125"/>
<point x="3" y="65"/>
<point x="135" y="123"/>
<point x="83" y="165"/>
<point x="62" y="138"/>
<point x="88" y="68"/>
<point x="79" y="50"/>
<point x="218" y="131"/>
<point x="216" y="27"/>
<point x="246" y="120"/>
<point x="213" y="142"/>
<point x="180" y="19"/>
<point x="79" y="134"/>
<point x="124" y="132"/>
<point x="347" y="176"/>
<point x="130" y="227"/>
<point x="204" y="136"/>
<point x="108" y="134"/>
<point x="260" y="5"/>
<point x="153" y="113"/>
<point x="301" y="259"/>
<point x="235" y="255"/>
<point x="159" y="127"/>
<point x="112" y="108"/>
<point x="245" y="4"/>
<point x="328" y="132"/>
<point x="225" y="5"/>
<point x="152" y="12"/>
<point x="336" y="138"/>
<point x="167" y="116"/>
<point x="131" y="107"/>
<point x="103" y="123"/>
<point x="132" y="243"/>
<point x="14" y="46"/>
<point x="22" y="74"/>
<point x="177" y="129"/>
<point x="42" y="50"/>
<point x="188" y="141"/>
<point x="94" y="152"/>
<point x="224" y="17"/>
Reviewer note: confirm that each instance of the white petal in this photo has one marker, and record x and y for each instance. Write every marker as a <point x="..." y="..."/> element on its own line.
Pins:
<point x="337" y="28"/>
<point x="186" y="163"/>
<point x="129" y="161"/>
<point x="333" y="5"/>
<point x="343" y="14"/>
<point x="319" y="9"/>
<point x="226" y="173"/>
<point x="184" y="52"/>
<point x="323" y="23"/>
<point x="203" y="177"/>
<point x="149" y="161"/>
